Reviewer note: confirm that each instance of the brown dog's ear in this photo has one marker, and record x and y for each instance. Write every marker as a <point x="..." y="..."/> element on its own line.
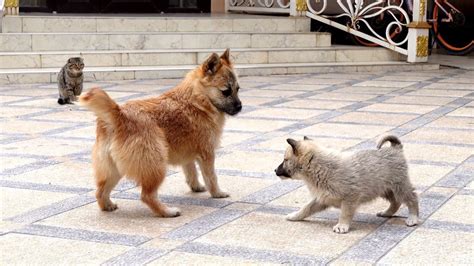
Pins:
<point x="226" y="57"/>
<point x="211" y="65"/>
<point x="294" y="145"/>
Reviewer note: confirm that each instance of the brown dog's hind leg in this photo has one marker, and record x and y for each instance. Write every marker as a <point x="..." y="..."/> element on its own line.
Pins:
<point x="107" y="177"/>
<point x="192" y="180"/>
<point x="207" y="168"/>
<point x="150" y="196"/>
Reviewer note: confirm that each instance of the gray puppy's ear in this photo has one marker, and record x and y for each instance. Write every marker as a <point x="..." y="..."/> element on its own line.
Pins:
<point x="211" y="65"/>
<point x="306" y="138"/>
<point x="294" y="145"/>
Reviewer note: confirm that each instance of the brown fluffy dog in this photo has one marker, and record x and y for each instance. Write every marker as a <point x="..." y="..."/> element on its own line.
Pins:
<point x="180" y="127"/>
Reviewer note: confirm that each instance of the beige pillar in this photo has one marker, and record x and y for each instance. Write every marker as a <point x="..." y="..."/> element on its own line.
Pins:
<point x="418" y="33"/>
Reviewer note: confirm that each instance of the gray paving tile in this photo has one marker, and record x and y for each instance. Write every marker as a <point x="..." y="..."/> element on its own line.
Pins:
<point x="137" y="256"/>
<point x="85" y="235"/>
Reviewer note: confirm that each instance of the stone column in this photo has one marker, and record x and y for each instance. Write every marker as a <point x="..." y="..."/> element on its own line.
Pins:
<point x="418" y="33"/>
<point x="298" y="7"/>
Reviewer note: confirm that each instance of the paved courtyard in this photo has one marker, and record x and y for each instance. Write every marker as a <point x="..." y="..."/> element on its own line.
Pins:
<point x="49" y="214"/>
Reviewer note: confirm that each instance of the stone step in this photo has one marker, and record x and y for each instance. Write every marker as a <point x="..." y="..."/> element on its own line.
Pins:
<point x="158" y="23"/>
<point x="45" y="75"/>
<point x="11" y="42"/>
<point x="116" y="58"/>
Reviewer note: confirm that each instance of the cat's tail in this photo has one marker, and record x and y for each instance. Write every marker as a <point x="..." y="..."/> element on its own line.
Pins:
<point x="99" y="102"/>
<point x="394" y="141"/>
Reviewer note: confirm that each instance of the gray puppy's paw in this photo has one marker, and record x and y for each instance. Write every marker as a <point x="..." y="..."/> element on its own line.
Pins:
<point x="341" y="228"/>
<point x="412" y="221"/>
<point x="294" y="216"/>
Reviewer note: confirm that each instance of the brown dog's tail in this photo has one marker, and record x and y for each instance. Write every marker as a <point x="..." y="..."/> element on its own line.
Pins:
<point x="99" y="102"/>
<point x="392" y="139"/>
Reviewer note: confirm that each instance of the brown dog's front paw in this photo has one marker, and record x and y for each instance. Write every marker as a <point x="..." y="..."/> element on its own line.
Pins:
<point x="171" y="212"/>
<point x="198" y="188"/>
<point x="110" y="207"/>
<point x="220" y="194"/>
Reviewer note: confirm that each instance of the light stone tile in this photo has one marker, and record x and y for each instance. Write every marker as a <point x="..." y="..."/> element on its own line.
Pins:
<point x="7" y="226"/>
<point x="11" y="24"/>
<point x="368" y="55"/>
<point x="323" y="40"/>
<point x="253" y="101"/>
<point x="51" y="24"/>
<point x="452" y="136"/>
<point x="301" y="56"/>
<point x="263" y="162"/>
<point x="183" y="258"/>
<point x="67" y="173"/>
<point x="7" y="98"/>
<point x="280" y="144"/>
<point x="85" y="132"/>
<point x="314" y="237"/>
<point x="61" y="42"/>
<point x="12" y="112"/>
<point x="18" y="201"/>
<point x="453" y="122"/>
<point x="160" y="74"/>
<point x="115" y="75"/>
<point x="263" y="71"/>
<point x="426" y="175"/>
<point x="72" y="115"/>
<point x="241" y="57"/>
<point x="302" y="24"/>
<point x="437" y="153"/>
<point x="425" y="246"/>
<point x="25" y="249"/>
<point x="158" y="59"/>
<point x="296" y="198"/>
<point x="109" y="59"/>
<point x="144" y="41"/>
<point x="315" y="104"/>
<point x="442" y="93"/>
<point x="132" y="217"/>
<point x="19" y="61"/>
<point x="131" y="25"/>
<point x="269" y="93"/>
<point x="458" y="209"/>
<point x="463" y="111"/>
<point x="403" y="77"/>
<point x="321" y="81"/>
<point x="55" y="60"/>
<point x="264" y="25"/>
<point x="15" y="42"/>
<point x="231" y="138"/>
<point x="298" y="87"/>
<point x="222" y="40"/>
<point x="449" y="86"/>
<point x="420" y="100"/>
<point x="286" y="41"/>
<point x="31" y="127"/>
<point x="13" y="162"/>
<point x="197" y="25"/>
<point x="237" y="186"/>
<point x="25" y="78"/>
<point x="47" y="146"/>
<point x="391" y="84"/>
<point x="344" y="130"/>
<point x="367" y="90"/>
<point x="399" y="108"/>
<point x="343" y="96"/>
<point x="255" y="125"/>
<point x="377" y="118"/>
<point x="283" y="113"/>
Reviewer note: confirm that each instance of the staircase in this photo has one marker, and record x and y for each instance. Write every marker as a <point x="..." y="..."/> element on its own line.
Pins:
<point x="34" y="48"/>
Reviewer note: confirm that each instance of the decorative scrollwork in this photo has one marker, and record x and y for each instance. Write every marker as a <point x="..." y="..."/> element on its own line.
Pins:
<point x="260" y="3"/>
<point x="422" y="46"/>
<point x="359" y="12"/>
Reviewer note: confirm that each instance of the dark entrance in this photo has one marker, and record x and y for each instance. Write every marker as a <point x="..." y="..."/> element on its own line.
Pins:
<point x="116" y="6"/>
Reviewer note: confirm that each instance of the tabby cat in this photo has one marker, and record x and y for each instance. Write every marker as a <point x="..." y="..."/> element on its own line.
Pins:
<point x="70" y="80"/>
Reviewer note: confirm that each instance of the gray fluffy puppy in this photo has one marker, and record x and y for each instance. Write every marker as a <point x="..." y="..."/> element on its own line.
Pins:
<point x="345" y="180"/>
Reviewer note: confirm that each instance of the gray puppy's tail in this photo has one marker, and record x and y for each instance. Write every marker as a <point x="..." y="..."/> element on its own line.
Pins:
<point x="396" y="143"/>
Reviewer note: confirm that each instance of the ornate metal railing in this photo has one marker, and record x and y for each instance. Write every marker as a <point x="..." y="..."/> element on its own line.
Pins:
<point x="411" y="32"/>
<point x="259" y="6"/>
